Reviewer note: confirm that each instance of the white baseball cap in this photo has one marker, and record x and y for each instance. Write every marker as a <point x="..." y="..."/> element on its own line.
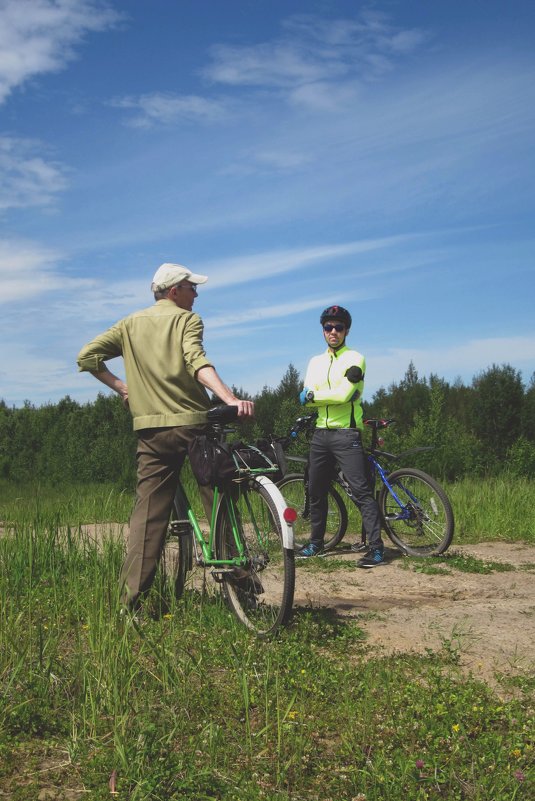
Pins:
<point x="167" y="275"/>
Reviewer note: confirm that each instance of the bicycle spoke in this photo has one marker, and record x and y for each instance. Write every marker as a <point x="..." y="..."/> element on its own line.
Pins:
<point x="260" y="590"/>
<point x="416" y="514"/>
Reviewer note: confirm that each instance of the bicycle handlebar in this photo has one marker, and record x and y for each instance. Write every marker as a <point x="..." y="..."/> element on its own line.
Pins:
<point x="222" y="414"/>
<point x="302" y="423"/>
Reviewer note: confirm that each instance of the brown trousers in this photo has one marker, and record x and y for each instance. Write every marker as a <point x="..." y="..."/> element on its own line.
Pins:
<point x="160" y="455"/>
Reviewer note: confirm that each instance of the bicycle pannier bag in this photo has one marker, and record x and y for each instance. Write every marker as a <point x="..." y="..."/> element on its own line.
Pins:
<point x="211" y="461"/>
<point x="250" y="457"/>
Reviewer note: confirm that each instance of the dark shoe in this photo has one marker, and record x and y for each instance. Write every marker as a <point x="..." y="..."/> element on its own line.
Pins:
<point x="308" y="550"/>
<point x="358" y="547"/>
<point x="373" y="558"/>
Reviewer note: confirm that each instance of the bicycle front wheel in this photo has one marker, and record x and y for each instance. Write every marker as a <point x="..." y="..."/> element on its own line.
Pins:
<point x="416" y="514"/>
<point x="293" y="489"/>
<point x="260" y="592"/>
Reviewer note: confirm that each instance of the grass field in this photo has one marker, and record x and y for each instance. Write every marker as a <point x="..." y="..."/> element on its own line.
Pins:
<point x="188" y="705"/>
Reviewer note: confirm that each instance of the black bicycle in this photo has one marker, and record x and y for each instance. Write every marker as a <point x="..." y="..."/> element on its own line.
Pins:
<point x="415" y="511"/>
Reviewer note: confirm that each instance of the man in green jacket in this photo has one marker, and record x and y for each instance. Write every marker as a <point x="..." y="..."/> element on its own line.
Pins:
<point x="167" y="378"/>
<point x="334" y="383"/>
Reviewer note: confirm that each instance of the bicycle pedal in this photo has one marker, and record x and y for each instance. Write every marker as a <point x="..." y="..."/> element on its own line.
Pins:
<point x="180" y="528"/>
<point x="218" y="574"/>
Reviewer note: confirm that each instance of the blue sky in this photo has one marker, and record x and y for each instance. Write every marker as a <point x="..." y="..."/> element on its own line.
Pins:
<point x="300" y="153"/>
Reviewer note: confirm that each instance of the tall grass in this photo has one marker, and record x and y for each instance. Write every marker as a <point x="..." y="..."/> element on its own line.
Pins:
<point x="485" y="510"/>
<point x="494" y="509"/>
<point x="188" y="705"/>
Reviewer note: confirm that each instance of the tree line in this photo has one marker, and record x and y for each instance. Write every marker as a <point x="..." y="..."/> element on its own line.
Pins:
<point x="485" y="428"/>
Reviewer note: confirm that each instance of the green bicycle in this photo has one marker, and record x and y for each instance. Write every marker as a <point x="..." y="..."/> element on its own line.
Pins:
<point x="248" y="548"/>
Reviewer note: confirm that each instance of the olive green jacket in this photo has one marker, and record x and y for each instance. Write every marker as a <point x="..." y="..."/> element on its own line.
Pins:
<point x="162" y="350"/>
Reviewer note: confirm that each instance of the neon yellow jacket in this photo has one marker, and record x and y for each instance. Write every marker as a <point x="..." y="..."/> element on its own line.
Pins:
<point x="336" y="399"/>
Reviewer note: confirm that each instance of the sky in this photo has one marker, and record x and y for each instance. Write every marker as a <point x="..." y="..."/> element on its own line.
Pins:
<point x="300" y="153"/>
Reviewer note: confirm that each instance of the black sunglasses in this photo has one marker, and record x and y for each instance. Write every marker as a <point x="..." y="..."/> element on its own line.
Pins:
<point x="328" y="327"/>
<point x="193" y="287"/>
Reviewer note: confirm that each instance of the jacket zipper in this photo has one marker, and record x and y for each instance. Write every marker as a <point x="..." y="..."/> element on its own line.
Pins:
<point x="329" y="383"/>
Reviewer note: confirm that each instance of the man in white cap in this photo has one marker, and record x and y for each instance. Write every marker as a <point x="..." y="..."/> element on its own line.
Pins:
<point x="167" y="377"/>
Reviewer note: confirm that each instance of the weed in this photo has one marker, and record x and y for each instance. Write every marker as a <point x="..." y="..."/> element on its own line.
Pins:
<point x="470" y="564"/>
<point x="325" y="564"/>
<point x="190" y="705"/>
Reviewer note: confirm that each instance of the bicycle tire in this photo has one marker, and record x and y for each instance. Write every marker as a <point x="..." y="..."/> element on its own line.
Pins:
<point x="292" y="487"/>
<point x="261" y="593"/>
<point x="425" y="525"/>
<point x="177" y="556"/>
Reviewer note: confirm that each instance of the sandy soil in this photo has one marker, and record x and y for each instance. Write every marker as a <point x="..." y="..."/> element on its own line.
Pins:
<point x="488" y="618"/>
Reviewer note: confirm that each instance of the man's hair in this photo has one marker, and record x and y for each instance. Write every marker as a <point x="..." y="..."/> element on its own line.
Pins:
<point x="160" y="294"/>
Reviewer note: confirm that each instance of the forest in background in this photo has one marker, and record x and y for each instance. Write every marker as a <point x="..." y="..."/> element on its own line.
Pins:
<point x="484" y="429"/>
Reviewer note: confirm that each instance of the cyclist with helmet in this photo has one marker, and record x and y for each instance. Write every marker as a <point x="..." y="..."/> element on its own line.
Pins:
<point x="334" y="383"/>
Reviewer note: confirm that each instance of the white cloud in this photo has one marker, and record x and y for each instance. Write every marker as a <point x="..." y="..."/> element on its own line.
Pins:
<point x="167" y="108"/>
<point x="271" y="64"/>
<point x="38" y="36"/>
<point x="45" y="377"/>
<point x="26" y="179"/>
<point x="26" y="264"/>
<point x="465" y="359"/>
<point x="282" y="160"/>
<point x="261" y="313"/>
<point x="266" y="265"/>
<point x="326" y="95"/>
<point x="312" y="50"/>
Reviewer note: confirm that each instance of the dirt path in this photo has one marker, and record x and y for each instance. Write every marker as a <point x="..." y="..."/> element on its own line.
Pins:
<point x="489" y="618"/>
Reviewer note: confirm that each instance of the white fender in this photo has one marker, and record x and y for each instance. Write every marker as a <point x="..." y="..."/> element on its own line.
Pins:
<point x="281" y="505"/>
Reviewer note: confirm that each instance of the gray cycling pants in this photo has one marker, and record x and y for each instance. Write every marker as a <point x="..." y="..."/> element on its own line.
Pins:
<point x="342" y="447"/>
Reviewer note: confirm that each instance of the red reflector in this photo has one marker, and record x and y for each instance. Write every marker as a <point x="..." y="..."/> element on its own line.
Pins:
<point x="290" y="515"/>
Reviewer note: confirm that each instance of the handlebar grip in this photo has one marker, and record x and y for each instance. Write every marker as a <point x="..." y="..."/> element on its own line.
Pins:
<point x="222" y="414"/>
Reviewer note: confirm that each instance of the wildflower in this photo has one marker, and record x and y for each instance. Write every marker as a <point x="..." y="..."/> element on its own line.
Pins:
<point x="419" y="764"/>
<point x="516" y="752"/>
<point x="292" y="715"/>
<point x="519" y="775"/>
<point x="456" y="727"/>
<point x="167" y="617"/>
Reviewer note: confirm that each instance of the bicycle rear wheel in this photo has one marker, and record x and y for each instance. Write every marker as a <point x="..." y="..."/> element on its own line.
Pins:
<point x="423" y="524"/>
<point x="177" y="556"/>
<point x="293" y="489"/>
<point x="260" y="593"/>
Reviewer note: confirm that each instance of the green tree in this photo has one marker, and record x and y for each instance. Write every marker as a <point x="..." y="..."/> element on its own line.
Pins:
<point x="497" y="408"/>
<point x="528" y="411"/>
<point x="455" y="451"/>
<point x="402" y="401"/>
<point x="290" y="385"/>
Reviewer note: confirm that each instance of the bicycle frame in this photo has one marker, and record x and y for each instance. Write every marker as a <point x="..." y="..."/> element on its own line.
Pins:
<point x="415" y="511"/>
<point x="305" y="423"/>
<point x="207" y="546"/>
